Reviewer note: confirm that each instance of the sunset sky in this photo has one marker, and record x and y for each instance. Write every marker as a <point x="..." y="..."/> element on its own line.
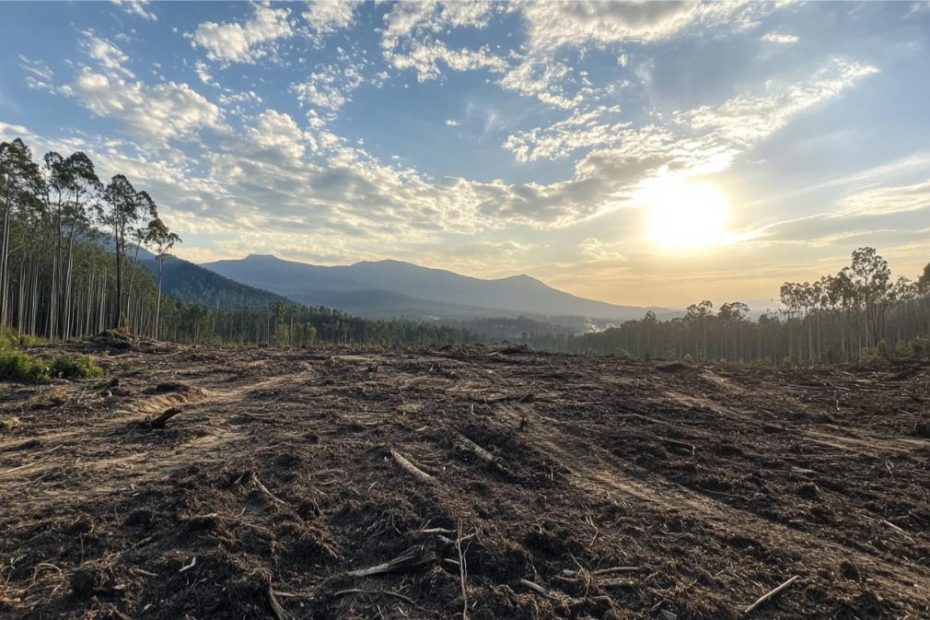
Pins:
<point x="634" y="153"/>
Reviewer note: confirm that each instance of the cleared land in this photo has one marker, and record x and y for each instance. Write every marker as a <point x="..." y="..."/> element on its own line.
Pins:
<point x="213" y="483"/>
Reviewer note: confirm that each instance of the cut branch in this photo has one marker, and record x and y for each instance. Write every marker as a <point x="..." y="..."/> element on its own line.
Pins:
<point x="276" y="608"/>
<point x="464" y="443"/>
<point x="161" y="420"/>
<point x="410" y="468"/>
<point x="411" y="557"/>
<point x="771" y="593"/>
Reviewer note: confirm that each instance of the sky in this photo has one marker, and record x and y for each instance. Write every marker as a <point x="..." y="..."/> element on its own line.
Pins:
<point x="636" y="153"/>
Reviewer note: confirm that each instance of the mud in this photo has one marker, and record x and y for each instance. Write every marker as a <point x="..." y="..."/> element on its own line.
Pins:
<point x="605" y="489"/>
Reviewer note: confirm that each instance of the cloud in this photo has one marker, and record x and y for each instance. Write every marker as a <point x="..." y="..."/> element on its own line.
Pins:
<point x="542" y="78"/>
<point x="139" y="8"/>
<point x="552" y="25"/>
<point x="580" y="130"/>
<point x="595" y="249"/>
<point x="780" y="38"/>
<point x="203" y="73"/>
<point x="330" y="86"/>
<point x="326" y="16"/>
<point x="409" y="39"/>
<point x="39" y="76"/>
<point x="887" y="200"/>
<point x="108" y="55"/>
<point x="426" y="58"/>
<point x="707" y="137"/>
<point x="158" y="113"/>
<point x="247" y="42"/>
<point x="451" y="122"/>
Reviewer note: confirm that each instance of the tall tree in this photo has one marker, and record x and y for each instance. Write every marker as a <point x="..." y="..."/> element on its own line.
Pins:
<point x="162" y="240"/>
<point x="120" y="211"/>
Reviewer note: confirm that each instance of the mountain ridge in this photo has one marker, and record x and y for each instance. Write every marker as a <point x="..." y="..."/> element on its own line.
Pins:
<point x="460" y="295"/>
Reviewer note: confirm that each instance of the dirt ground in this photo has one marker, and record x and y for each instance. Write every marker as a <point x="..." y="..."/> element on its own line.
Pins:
<point x="532" y="486"/>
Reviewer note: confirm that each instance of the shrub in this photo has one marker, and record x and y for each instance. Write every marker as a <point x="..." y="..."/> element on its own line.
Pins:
<point x="74" y="367"/>
<point x="22" y="367"/>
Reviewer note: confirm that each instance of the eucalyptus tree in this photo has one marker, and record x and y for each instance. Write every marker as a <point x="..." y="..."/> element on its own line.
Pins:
<point x="139" y="236"/>
<point x="20" y="184"/>
<point x="120" y="212"/>
<point x="161" y="240"/>
<point x="84" y="186"/>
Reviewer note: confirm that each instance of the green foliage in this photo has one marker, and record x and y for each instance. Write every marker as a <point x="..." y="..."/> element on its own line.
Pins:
<point x="19" y="366"/>
<point x="68" y="366"/>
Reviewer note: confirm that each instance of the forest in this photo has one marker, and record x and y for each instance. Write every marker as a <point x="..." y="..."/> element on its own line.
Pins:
<point x="860" y="314"/>
<point x="71" y="264"/>
<point x="71" y="250"/>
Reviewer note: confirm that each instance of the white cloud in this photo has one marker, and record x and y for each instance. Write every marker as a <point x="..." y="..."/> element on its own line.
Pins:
<point x="330" y="86"/>
<point x="704" y="138"/>
<point x="107" y="55"/>
<point x="409" y="39"/>
<point x="325" y="16"/>
<point x="425" y="58"/>
<point x="247" y="42"/>
<point x="39" y="75"/>
<point x="555" y="24"/>
<point x="203" y="73"/>
<point x="887" y="200"/>
<point x="451" y="122"/>
<point x="159" y="113"/>
<point x="560" y="140"/>
<point x="543" y="78"/>
<point x="139" y="8"/>
<point x="780" y="38"/>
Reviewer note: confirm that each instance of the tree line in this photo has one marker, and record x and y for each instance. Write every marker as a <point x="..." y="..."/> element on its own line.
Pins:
<point x="859" y="313"/>
<point x="56" y="278"/>
<point x="70" y="266"/>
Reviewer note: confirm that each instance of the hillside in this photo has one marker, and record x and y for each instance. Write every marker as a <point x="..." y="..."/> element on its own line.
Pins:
<point x="387" y="288"/>
<point x="192" y="284"/>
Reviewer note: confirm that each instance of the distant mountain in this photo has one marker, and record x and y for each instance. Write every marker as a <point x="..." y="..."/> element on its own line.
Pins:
<point x="192" y="284"/>
<point x="396" y="289"/>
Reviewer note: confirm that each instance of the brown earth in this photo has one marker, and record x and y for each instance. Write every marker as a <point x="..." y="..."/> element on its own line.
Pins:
<point x="613" y="489"/>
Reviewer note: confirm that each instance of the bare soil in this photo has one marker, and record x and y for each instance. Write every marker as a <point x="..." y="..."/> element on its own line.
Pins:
<point x="212" y="483"/>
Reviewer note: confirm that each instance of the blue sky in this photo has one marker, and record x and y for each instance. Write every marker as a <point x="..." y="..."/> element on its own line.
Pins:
<point x="637" y="153"/>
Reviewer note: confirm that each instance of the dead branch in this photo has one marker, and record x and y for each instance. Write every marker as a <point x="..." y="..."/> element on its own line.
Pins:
<point x="435" y="530"/>
<point x="161" y="420"/>
<point x="463" y="571"/>
<point x="413" y="556"/>
<point x="535" y="587"/>
<point x="770" y="594"/>
<point x="464" y="443"/>
<point x="261" y="487"/>
<point x="276" y="608"/>
<point x="410" y="468"/>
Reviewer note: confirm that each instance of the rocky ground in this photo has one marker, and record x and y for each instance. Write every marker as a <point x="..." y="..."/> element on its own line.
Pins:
<point x="213" y="483"/>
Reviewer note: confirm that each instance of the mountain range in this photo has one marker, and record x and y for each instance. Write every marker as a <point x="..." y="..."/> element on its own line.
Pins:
<point x="395" y="289"/>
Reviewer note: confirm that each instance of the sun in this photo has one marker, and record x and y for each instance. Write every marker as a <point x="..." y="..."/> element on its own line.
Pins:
<point x="683" y="214"/>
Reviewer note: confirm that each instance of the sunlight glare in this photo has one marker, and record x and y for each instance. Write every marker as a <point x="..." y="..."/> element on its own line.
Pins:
<point x="684" y="215"/>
